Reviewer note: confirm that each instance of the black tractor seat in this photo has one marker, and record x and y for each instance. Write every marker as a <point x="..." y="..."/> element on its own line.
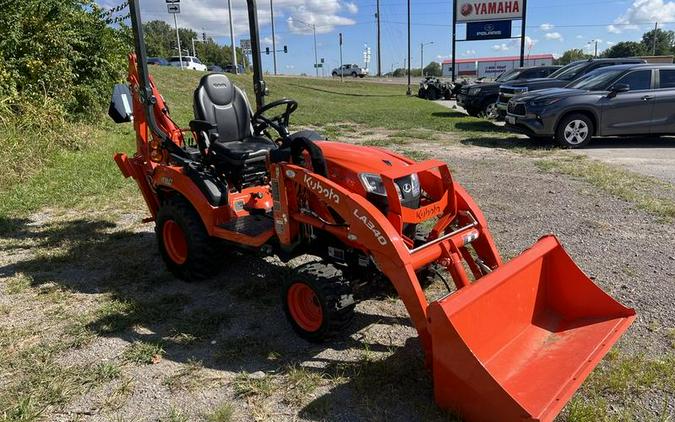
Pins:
<point x="238" y="152"/>
<point x="225" y="134"/>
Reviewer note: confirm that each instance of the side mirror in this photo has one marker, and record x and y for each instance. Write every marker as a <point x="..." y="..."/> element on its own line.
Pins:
<point x="120" y="105"/>
<point x="615" y="89"/>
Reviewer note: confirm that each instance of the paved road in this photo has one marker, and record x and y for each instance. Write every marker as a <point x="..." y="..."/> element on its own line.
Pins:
<point x="649" y="156"/>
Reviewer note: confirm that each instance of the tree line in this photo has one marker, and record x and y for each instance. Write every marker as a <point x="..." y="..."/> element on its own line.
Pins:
<point x="160" y="40"/>
<point x="657" y="42"/>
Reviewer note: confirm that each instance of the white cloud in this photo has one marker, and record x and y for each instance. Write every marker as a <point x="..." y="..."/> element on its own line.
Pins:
<point x="641" y="12"/>
<point x="268" y="40"/>
<point x="546" y="27"/>
<point x="351" y="7"/>
<point x="613" y="29"/>
<point x="580" y="37"/>
<point x="554" y="36"/>
<point x="211" y="16"/>
<point x="470" y="53"/>
<point x="501" y="47"/>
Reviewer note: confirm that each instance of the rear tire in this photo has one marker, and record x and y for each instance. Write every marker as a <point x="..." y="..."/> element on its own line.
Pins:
<point x="317" y="301"/>
<point x="187" y="249"/>
<point x="574" y="131"/>
<point x="334" y="74"/>
<point x="473" y="112"/>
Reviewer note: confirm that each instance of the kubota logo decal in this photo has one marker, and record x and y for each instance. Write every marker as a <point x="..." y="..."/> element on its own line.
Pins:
<point x="317" y="187"/>
<point x="371" y="226"/>
<point x="429" y="212"/>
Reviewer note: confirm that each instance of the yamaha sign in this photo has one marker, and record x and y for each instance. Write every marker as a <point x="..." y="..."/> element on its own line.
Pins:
<point x="485" y="10"/>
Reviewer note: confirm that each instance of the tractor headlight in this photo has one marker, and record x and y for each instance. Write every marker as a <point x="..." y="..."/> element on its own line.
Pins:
<point x="373" y="183"/>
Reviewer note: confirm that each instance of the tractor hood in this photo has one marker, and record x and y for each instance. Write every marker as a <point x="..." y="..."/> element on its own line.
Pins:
<point x="361" y="159"/>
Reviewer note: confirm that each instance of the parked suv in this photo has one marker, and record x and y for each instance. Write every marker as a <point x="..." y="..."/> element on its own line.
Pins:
<point x="480" y="98"/>
<point x="558" y="79"/>
<point x="189" y="62"/>
<point x="353" y="70"/>
<point x="616" y="100"/>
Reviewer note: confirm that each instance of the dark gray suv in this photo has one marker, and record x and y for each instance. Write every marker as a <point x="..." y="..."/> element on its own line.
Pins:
<point x="612" y="101"/>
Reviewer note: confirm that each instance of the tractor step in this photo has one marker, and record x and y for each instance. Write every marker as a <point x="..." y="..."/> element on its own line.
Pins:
<point x="249" y="225"/>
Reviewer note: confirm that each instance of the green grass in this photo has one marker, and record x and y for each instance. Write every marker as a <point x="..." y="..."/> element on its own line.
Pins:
<point x="144" y="353"/>
<point x="613" y="391"/>
<point x="640" y="190"/>
<point x="327" y="102"/>
<point x="222" y="413"/>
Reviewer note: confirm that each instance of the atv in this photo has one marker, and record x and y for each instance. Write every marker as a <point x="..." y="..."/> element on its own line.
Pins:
<point x="510" y="341"/>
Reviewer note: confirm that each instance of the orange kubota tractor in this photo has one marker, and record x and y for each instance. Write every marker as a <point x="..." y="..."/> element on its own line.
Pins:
<point x="512" y="342"/>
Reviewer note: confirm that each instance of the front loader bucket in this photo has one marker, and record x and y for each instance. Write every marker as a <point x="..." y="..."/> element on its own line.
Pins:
<point x="516" y="344"/>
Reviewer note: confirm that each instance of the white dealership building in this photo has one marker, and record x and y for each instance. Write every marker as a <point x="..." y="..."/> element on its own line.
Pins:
<point x="491" y="67"/>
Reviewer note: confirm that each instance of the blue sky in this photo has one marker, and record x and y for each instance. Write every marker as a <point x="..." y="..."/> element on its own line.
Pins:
<point x="552" y="27"/>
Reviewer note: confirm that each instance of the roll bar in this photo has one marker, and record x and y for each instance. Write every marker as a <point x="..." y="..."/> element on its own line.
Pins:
<point x="141" y="58"/>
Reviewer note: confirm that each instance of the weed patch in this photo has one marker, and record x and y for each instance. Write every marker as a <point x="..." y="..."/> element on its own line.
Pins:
<point x="143" y="353"/>
<point x="615" y="181"/>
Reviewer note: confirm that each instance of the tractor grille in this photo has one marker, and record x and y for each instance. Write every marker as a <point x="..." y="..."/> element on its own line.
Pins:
<point x="516" y="108"/>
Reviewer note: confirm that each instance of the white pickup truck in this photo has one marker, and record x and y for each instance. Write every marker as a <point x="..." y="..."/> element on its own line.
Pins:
<point x="353" y="70"/>
<point x="189" y="62"/>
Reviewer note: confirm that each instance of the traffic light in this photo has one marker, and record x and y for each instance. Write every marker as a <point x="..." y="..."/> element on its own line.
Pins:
<point x="267" y="51"/>
<point x="204" y="36"/>
<point x="285" y="49"/>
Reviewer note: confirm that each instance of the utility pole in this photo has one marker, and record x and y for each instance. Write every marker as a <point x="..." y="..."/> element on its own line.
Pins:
<point x="454" y="39"/>
<point x="409" y="91"/>
<point x="656" y="27"/>
<point x="422" y="55"/>
<point x="180" y="52"/>
<point x="379" y="55"/>
<point x="232" y="42"/>
<point x="274" y="41"/>
<point x="342" y="76"/>
<point x="522" y="34"/>
<point x="595" y="54"/>
<point x="316" y="54"/>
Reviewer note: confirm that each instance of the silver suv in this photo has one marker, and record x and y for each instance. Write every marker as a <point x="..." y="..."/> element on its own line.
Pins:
<point x="353" y="70"/>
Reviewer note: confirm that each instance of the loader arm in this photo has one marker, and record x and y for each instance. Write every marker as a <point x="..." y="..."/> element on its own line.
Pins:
<point x="513" y="344"/>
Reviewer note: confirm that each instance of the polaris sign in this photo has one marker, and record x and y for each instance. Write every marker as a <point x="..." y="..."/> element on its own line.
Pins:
<point x="484" y="10"/>
<point x="491" y="30"/>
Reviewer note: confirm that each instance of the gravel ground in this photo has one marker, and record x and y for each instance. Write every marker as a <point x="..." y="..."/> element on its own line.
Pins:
<point x="377" y="371"/>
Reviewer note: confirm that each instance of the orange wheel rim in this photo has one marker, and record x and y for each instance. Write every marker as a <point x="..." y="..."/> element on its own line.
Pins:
<point x="304" y="306"/>
<point x="175" y="243"/>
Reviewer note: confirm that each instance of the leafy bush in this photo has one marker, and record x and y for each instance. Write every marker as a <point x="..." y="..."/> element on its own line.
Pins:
<point x="59" y="49"/>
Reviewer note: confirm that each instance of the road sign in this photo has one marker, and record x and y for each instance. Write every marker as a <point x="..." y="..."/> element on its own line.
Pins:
<point x="173" y="1"/>
<point x="480" y="10"/>
<point x="245" y="45"/>
<point x="323" y="60"/>
<point x="173" y="8"/>
<point x="318" y="65"/>
<point x="488" y="30"/>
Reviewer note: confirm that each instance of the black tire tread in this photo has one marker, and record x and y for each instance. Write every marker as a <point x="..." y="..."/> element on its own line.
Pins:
<point x="203" y="251"/>
<point x="330" y="286"/>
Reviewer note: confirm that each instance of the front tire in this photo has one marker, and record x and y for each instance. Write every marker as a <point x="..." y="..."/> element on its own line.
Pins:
<point x="334" y="74"/>
<point x="354" y="75"/>
<point x="187" y="249"/>
<point x="574" y="131"/>
<point x="318" y="301"/>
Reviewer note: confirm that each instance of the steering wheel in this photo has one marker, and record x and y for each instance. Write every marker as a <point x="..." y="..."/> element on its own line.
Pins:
<point x="278" y="122"/>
